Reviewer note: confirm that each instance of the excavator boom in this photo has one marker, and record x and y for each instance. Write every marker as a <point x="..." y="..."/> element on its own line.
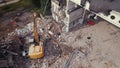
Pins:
<point x="36" y="50"/>
<point x="36" y="36"/>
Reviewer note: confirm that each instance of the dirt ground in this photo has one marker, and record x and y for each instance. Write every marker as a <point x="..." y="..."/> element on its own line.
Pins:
<point x="99" y="47"/>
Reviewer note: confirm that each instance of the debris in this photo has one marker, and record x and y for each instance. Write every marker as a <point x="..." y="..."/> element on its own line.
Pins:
<point x="75" y="52"/>
<point x="3" y="63"/>
<point x="89" y="66"/>
<point x="69" y="60"/>
<point x="88" y="37"/>
<point x="50" y="32"/>
<point x="10" y="52"/>
<point x="14" y="22"/>
<point x="90" y="23"/>
<point x="106" y="65"/>
<point x="10" y="61"/>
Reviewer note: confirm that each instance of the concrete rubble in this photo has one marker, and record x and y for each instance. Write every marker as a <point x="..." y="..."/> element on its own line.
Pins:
<point x="21" y="34"/>
<point x="91" y="48"/>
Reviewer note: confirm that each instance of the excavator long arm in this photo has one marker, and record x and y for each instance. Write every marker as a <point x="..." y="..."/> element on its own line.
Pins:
<point x="36" y="36"/>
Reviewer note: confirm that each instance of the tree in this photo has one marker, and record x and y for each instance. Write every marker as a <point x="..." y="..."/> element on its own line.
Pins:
<point x="40" y="4"/>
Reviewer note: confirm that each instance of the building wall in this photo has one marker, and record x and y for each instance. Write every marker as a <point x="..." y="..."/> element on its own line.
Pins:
<point x="104" y="5"/>
<point x="73" y="15"/>
<point x="70" y="5"/>
<point x="70" y="15"/>
<point x="55" y="10"/>
<point x="76" y="14"/>
<point x="76" y="1"/>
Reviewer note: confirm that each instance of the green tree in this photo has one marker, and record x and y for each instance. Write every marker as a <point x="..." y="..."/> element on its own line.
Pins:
<point x="40" y="4"/>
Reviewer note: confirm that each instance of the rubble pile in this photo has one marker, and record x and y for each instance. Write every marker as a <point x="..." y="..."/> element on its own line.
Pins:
<point x="10" y="51"/>
<point x="17" y="40"/>
<point x="50" y="34"/>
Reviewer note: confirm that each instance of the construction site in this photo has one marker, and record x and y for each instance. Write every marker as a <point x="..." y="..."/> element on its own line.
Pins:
<point x="77" y="34"/>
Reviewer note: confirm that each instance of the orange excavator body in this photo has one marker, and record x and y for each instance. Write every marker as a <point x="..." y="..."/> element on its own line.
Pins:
<point x="36" y="50"/>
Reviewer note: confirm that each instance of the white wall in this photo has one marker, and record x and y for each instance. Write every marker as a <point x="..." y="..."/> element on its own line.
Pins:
<point x="76" y="14"/>
<point x="55" y="11"/>
<point x="70" y="5"/>
<point x="76" y="1"/>
<point x="114" y="21"/>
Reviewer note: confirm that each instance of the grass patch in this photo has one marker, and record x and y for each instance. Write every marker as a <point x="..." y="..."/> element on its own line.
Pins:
<point x="17" y="5"/>
<point x="26" y="4"/>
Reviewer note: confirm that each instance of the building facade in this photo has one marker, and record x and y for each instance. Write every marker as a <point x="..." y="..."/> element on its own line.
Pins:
<point x="67" y="12"/>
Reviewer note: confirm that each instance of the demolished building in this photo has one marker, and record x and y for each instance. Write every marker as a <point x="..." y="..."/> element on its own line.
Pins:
<point x="74" y="12"/>
<point x="68" y="12"/>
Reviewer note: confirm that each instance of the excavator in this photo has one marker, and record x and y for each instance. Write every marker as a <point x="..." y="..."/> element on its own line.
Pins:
<point x="36" y="50"/>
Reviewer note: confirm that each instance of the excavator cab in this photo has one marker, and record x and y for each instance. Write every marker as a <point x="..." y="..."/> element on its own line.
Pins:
<point x="36" y="50"/>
